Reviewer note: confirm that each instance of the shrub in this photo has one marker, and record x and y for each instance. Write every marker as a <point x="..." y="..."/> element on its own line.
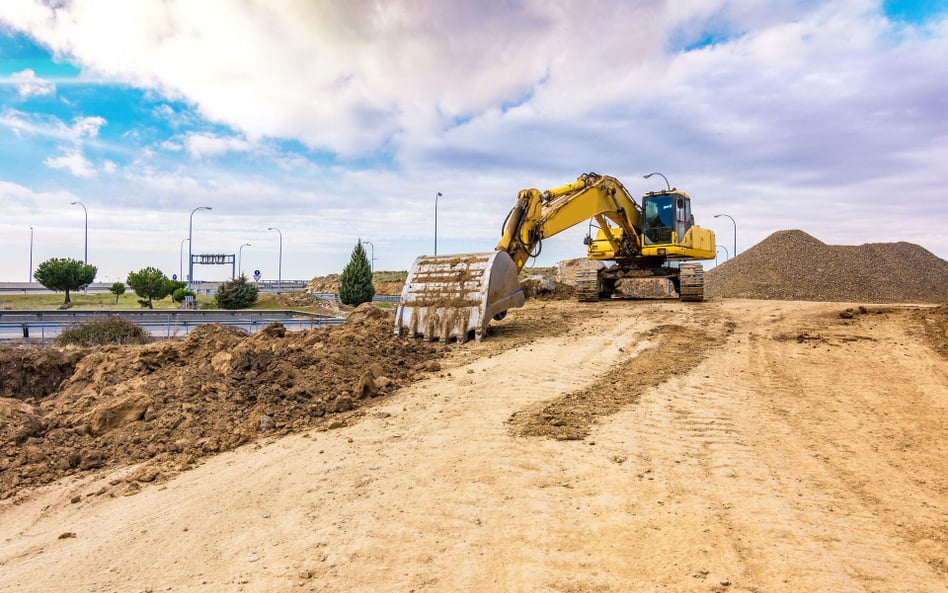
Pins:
<point x="111" y="330"/>
<point x="236" y="294"/>
<point x="179" y="294"/>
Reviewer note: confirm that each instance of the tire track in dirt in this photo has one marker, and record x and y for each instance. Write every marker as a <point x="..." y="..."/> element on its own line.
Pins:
<point x="820" y="397"/>
<point x="663" y="352"/>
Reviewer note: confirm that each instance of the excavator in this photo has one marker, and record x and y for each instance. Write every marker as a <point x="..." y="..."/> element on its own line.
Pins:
<point x="452" y="296"/>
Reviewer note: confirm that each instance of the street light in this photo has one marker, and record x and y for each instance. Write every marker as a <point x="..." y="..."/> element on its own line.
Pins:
<point x="371" y="261"/>
<point x="660" y="175"/>
<point x="181" y="259"/>
<point x="725" y="253"/>
<point x="191" y="244"/>
<point x="438" y="195"/>
<point x="31" y="256"/>
<point x="735" y="231"/>
<point x="86" y="256"/>
<point x="280" y="268"/>
<point x="240" y="253"/>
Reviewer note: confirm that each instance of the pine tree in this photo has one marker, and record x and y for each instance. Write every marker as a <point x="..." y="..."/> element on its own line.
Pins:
<point x="355" y="286"/>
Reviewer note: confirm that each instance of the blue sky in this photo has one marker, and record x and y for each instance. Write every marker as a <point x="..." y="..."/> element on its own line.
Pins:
<point x="340" y="121"/>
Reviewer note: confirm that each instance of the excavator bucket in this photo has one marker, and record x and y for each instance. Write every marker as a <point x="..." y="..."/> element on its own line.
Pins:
<point x="450" y="296"/>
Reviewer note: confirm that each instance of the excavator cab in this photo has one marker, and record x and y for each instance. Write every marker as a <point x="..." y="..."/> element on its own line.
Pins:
<point x="667" y="216"/>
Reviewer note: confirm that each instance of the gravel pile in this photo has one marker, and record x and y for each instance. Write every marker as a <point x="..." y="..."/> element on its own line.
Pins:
<point x="792" y="265"/>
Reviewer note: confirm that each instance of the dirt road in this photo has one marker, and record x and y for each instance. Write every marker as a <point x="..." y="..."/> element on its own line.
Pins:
<point x="774" y="447"/>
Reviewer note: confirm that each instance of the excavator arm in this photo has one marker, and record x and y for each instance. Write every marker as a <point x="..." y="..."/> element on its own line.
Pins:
<point x="538" y="215"/>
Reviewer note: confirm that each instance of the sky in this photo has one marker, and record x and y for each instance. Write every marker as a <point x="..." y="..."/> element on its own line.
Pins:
<point x="336" y="122"/>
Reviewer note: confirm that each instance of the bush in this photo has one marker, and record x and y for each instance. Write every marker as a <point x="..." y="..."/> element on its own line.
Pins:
<point x="111" y="330"/>
<point x="236" y="294"/>
<point x="179" y="294"/>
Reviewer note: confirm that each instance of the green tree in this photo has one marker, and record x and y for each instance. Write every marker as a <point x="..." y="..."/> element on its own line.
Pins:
<point x="64" y="274"/>
<point x="355" y="285"/>
<point x="236" y="294"/>
<point x="118" y="289"/>
<point x="149" y="283"/>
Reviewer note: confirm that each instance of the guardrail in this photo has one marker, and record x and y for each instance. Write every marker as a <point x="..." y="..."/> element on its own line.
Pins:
<point x="379" y="298"/>
<point x="46" y="325"/>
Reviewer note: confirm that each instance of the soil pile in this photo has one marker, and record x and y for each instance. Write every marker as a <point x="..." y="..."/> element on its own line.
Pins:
<point x="330" y="285"/>
<point x="175" y="402"/>
<point x="792" y="265"/>
<point x="307" y="301"/>
<point x="545" y="289"/>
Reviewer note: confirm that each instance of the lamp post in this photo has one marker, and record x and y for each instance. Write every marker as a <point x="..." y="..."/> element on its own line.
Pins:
<point x="191" y="244"/>
<point x="85" y="259"/>
<point x="240" y="253"/>
<point x="280" y="267"/>
<point x="31" y="256"/>
<point x="372" y="260"/>
<point x="438" y="195"/>
<point x="668" y="185"/>
<point x="181" y="259"/>
<point x="725" y="253"/>
<point x="735" y="231"/>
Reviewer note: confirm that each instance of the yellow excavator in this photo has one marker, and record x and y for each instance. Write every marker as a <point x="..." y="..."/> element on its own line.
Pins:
<point x="453" y="296"/>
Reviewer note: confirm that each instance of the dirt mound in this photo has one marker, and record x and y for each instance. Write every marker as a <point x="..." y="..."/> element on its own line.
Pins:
<point x="539" y="287"/>
<point x="330" y="285"/>
<point x="792" y="265"/>
<point x="175" y="402"/>
<point x="307" y="301"/>
<point x="31" y="374"/>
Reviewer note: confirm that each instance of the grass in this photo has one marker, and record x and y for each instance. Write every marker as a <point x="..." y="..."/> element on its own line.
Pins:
<point x="104" y="301"/>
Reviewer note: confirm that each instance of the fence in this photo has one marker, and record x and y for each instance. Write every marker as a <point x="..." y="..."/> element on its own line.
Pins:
<point x="47" y="325"/>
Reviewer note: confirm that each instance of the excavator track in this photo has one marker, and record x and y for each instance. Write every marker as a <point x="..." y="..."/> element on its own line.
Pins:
<point x="691" y="282"/>
<point x="587" y="283"/>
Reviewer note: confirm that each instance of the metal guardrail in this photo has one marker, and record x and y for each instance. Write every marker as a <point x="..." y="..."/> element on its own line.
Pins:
<point x="379" y="298"/>
<point x="46" y="325"/>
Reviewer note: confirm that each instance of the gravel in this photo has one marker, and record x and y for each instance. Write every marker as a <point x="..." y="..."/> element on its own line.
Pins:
<point x="792" y="265"/>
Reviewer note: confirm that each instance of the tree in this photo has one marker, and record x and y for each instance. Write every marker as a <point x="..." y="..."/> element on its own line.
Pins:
<point x="236" y="294"/>
<point x="64" y="274"/>
<point x="149" y="283"/>
<point x="118" y="289"/>
<point x="355" y="285"/>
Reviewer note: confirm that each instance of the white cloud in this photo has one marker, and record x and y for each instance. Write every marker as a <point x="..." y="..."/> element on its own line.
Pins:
<point x="28" y="85"/>
<point x="202" y="145"/>
<point x="85" y="127"/>
<point x="73" y="161"/>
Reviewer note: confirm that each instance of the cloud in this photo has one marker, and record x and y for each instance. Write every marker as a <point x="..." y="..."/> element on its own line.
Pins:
<point x="73" y="161"/>
<point x="201" y="145"/>
<point x="342" y="77"/>
<point x="28" y="85"/>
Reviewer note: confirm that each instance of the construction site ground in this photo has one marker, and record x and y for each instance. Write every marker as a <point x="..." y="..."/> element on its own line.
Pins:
<point x="735" y="445"/>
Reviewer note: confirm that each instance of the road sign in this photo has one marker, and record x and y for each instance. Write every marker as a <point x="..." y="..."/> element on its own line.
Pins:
<point x="256" y="275"/>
